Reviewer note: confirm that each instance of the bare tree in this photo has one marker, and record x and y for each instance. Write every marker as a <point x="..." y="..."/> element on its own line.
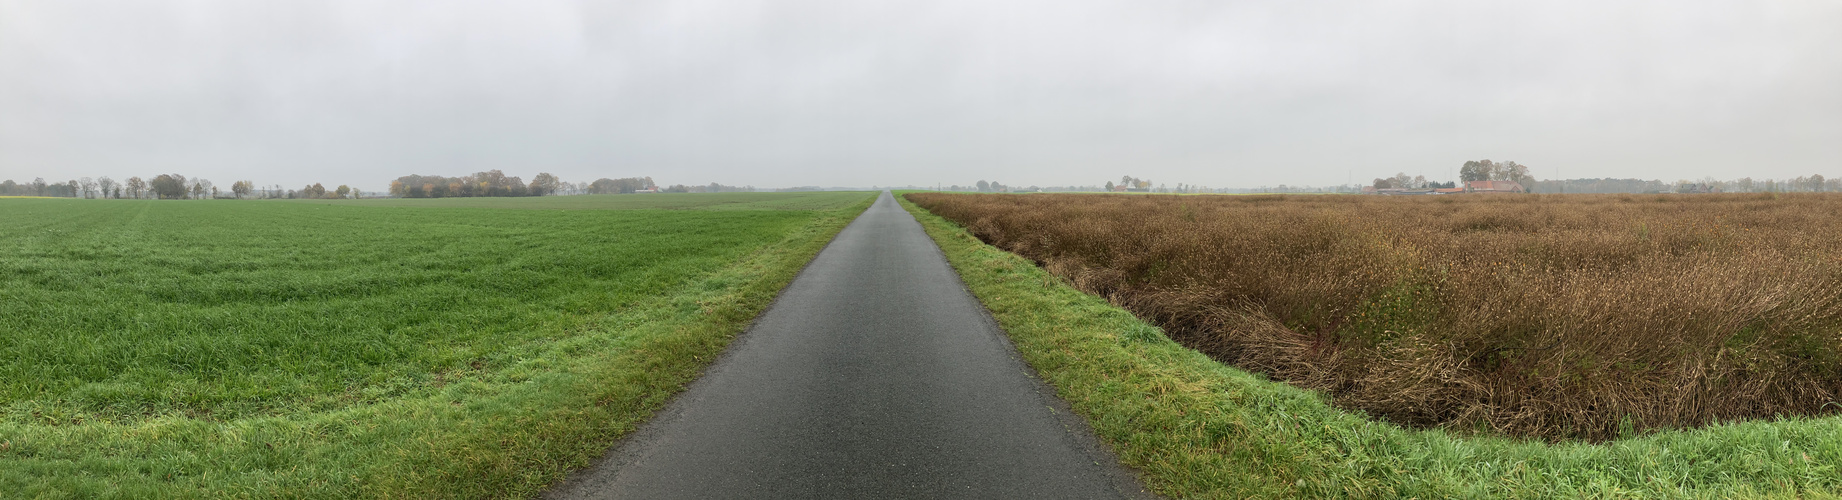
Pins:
<point x="135" y="187"/>
<point x="1401" y="180"/>
<point x="107" y="185"/>
<point x="88" y="186"/>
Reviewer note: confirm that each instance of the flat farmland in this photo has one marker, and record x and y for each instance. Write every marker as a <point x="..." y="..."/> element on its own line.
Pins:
<point x="1559" y="317"/>
<point x="450" y="348"/>
<point x="1173" y="325"/>
<point x="810" y="200"/>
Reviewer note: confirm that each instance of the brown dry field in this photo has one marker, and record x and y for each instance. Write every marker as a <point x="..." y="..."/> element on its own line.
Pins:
<point x="1548" y="316"/>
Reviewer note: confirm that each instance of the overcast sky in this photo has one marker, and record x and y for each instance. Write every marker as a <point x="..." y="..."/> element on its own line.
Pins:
<point x="858" y="93"/>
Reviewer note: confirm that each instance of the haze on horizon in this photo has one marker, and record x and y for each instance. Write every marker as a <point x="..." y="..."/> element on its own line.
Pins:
<point x="791" y="93"/>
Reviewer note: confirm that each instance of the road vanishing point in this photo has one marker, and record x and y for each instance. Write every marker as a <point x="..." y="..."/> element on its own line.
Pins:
<point x="875" y="374"/>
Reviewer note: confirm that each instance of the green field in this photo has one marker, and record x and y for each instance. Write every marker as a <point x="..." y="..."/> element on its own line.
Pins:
<point x="1196" y="428"/>
<point x="429" y="348"/>
<point x="809" y="200"/>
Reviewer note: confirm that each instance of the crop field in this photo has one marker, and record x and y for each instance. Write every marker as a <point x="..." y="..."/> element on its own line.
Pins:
<point x="1195" y="427"/>
<point x="1588" y="317"/>
<point x="429" y="348"/>
<point x="807" y="200"/>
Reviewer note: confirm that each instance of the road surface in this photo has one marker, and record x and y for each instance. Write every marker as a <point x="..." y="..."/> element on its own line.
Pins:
<point x="875" y="374"/>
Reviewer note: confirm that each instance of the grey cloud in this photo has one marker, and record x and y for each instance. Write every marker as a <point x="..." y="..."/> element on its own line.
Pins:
<point x="860" y="93"/>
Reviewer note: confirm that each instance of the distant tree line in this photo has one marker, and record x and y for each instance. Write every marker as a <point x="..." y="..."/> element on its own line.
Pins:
<point x="1133" y="184"/>
<point x="992" y="187"/>
<point x="488" y="183"/>
<point x="1486" y="170"/>
<point x="496" y="183"/>
<point x="1478" y="170"/>
<point x="1812" y="183"/>
<point x="164" y="187"/>
<point x="1402" y="181"/>
<point x="624" y="185"/>
<point x="711" y="188"/>
<point x="1125" y="183"/>
<point x="38" y="187"/>
<point x="1129" y="183"/>
<point x="1601" y="186"/>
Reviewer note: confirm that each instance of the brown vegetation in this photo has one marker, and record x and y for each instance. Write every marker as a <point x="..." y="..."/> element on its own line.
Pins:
<point x="1553" y="316"/>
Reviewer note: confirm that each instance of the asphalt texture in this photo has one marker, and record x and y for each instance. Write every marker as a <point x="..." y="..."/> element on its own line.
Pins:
<point x="875" y="374"/>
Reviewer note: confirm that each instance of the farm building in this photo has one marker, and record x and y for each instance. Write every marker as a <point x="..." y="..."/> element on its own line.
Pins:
<point x="1494" y="187"/>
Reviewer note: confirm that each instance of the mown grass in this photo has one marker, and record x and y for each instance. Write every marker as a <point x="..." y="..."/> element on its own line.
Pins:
<point x="211" y="349"/>
<point x="1197" y="428"/>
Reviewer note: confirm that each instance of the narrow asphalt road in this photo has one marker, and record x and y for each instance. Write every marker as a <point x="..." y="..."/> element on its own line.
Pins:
<point x="874" y="375"/>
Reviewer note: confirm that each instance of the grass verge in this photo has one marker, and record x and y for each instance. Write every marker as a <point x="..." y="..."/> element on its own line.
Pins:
<point x="1196" y="428"/>
<point x="505" y="429"/>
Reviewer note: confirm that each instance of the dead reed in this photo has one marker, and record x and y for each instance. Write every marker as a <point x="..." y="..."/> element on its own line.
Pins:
<point x="1558" y="317"/>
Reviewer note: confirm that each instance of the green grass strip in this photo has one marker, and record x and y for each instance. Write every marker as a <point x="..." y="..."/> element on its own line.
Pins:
<point x="496" y="433"/>
<point x="1196" y="428"/>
